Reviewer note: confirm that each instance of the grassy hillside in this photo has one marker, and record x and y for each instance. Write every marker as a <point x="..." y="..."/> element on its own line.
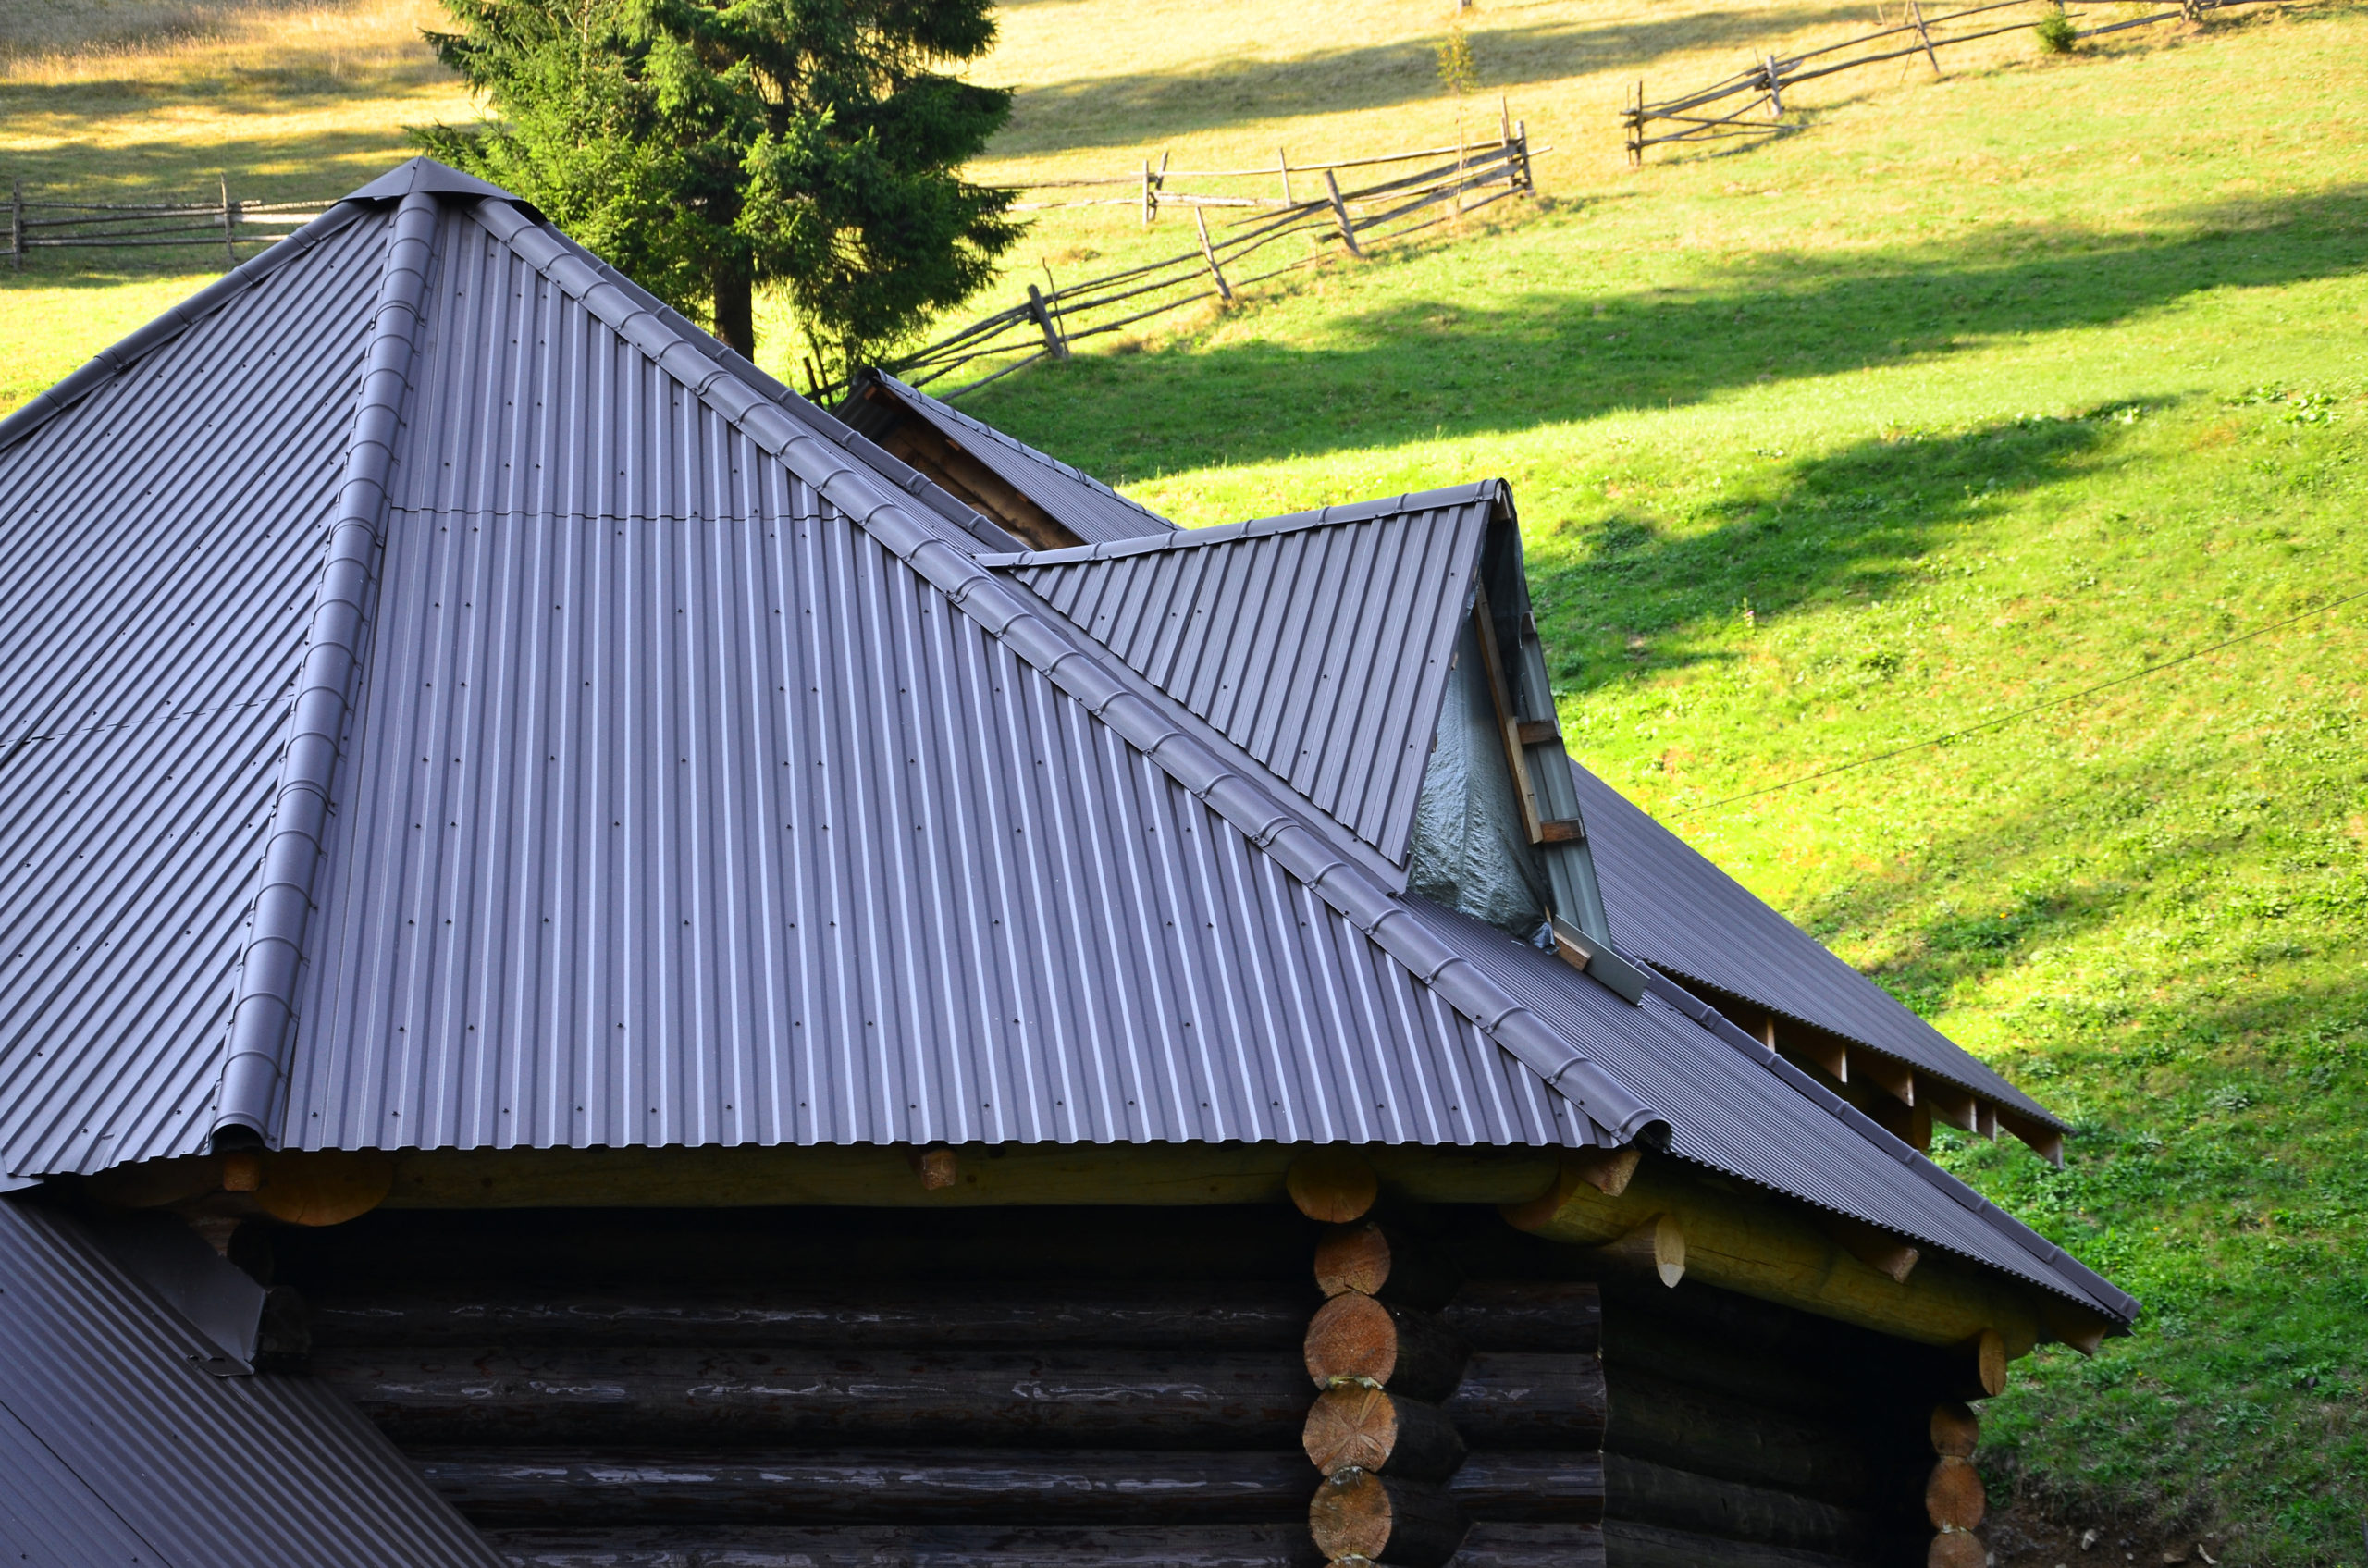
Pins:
<point x="1977" y="394"/>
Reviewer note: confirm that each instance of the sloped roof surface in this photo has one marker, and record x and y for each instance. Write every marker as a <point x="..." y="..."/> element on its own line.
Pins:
<point x="1735" y="1106"/>
<point x="117" y="1450"/>
<point x="157" y="609"/>
<point x="1319" y="643"/>
<point x="1673" y="908"/>
<point x="667" y="765"/>
<point x="1078" y="502"/>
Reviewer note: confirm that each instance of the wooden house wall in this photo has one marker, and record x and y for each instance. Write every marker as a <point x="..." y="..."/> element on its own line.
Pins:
<point x="1079" y="1389"/>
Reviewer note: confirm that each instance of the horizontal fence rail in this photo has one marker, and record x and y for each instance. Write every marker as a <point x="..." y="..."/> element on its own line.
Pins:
<point x="228" y="223"/>
<point x="1710" y="113"/>
<point x="1054" y="318"/>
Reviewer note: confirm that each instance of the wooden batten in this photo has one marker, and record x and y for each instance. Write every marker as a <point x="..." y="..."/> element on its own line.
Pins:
<point x="1879" y="1250"/>
<point x="1948" y="1103"/>
<point x="2045" y="1141"/>
<point x="930" y="450"/>
<point x="1763" y="1247"/>
<point x="1895" y="1079"/>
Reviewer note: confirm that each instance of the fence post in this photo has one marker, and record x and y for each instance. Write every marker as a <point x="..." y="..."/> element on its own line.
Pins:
<point x="1635" y="128"/>
<point x="1341" y="210"/>
<point x="1044" y="318"/>
<point x="1526" y="176"/>
<point x="1775" y="91"/>
<point x="230" y="224"/>
<point x="16" y="223"/>
<point x="1915" y="10"/>
<point x="1283" y="162"/>
<point x="1224" y="289"/>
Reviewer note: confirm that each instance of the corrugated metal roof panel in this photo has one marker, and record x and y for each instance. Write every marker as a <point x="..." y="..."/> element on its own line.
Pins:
<point x="158" y="615"/>
<point x="1739" y="1111"/>
<point x="681" y="812"/>
<point x="1318" y="644"/>
<point x="1674" y="909"/>
<point x="704" y="785"/>
<point x="1078" y="502"/>
<point x="115" y="1448"/>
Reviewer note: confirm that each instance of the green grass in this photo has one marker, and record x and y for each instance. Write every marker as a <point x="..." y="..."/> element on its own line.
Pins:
<point x="1973" y="396"/>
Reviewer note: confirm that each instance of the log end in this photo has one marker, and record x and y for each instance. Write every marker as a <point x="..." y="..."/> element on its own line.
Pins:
<point x="1953" y="1498"/>
<point x="1955" y="1430"/>
<point x="1956" y="1548"/>
<point x="1333" y="1185"/>
<point x="1352" y="1257"/>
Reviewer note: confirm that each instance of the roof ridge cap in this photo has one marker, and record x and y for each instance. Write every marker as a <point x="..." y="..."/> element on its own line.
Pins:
<point x="255" y="1063"/>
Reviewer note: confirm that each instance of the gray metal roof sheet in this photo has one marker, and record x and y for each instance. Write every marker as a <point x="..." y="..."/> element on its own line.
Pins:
<point x="1080" y="502"/>
<point x="700" y="784"/>
<point x="157" y="611"/>
<point x="1734" y="1106"/>
<point x="1319" y="644"/>
<point x="1673" y="908"/>
<point x="117" y="1449"/>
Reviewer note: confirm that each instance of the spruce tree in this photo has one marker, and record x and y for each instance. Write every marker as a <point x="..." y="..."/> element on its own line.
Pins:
<point x="706" y="146"/>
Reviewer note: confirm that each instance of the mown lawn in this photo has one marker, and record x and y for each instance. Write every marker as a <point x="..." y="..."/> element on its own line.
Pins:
<point x="1974" y="395"/>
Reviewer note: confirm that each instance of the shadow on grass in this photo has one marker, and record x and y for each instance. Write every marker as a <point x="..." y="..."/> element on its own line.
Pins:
<point x="1127" y="110"/>
<point x="1438" y="367"/>
<point x="1856" y="522"/>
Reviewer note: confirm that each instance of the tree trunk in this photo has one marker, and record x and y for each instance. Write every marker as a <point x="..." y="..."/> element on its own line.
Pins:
<point x="736" y="320"/>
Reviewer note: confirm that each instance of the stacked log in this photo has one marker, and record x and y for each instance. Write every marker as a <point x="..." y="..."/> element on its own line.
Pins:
<point x="845" y="1397"/>
<point x="1454" y="1420"/>
<point x="1117" y="1389"/>
<point x="1954" y="1499"/>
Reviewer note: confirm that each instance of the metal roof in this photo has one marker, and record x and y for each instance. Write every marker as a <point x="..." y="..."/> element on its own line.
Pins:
<point x="117" y="1449"/>
<point x="1735" y="1106"/>
<point x="1078" y="502"/>
<point x="1671" y="907"/>
<point x="649" y="760"/>
<point x="1318" y="643"/>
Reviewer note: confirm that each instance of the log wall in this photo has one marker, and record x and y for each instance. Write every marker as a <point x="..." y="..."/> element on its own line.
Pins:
<point x="1108" y="1387"/>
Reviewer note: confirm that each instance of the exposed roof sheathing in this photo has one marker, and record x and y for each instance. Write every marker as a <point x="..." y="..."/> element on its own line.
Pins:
<point x="671" y="765"/>
<point x="1080" y="502"/>
<point x="1679" y="913"/>
<point x="118" y="1450"/>
<point x="1319" y="643"/>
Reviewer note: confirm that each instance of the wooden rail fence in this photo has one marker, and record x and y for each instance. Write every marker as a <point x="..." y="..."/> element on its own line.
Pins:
<point x="1709" y="115"/>
<point x="228" y="223"/>
<point x="1054" y="318"/>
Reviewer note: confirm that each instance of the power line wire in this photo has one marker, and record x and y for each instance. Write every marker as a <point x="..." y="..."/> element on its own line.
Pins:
<point x="1946" y="736"/>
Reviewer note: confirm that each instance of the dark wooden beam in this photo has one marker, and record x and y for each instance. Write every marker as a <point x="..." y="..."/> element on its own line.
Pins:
<point x="568" y="1488"/>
